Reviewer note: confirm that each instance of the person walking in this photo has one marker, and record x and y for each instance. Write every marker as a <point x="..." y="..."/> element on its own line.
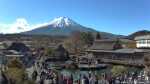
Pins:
<point x="91" y="79"/>
<point x="84" y="80"/>
<point x="34" y="75"/>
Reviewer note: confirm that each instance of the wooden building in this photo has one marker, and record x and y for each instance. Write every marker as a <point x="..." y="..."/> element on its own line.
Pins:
<point x="113" y="51"/>
<point x="59" y="54"/>
<point x="19" y="47"/>
<point x="142" y="41"/>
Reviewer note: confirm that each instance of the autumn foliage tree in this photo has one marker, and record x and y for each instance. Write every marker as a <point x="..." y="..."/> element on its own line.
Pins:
<point x="118" y="70"/>
<point x="16" y="72"/>
<point x="15" y="63"/>
<point x="49" y="51"/>
<point x="78" y="41"/>
<point x="74" y="43"/>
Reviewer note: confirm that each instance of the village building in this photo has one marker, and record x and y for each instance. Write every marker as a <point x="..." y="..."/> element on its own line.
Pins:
<point x="89" y="62"/>
<point x="59" y="54"/>
<point x="142" y="41"/>
<point x="115" y="52"/>
<point x="58" y="58"/>
<point x="20" y="51"/>
<point x="2" y="46"/>
<point x="19" y="47"/>
<point x="11" y="54"/>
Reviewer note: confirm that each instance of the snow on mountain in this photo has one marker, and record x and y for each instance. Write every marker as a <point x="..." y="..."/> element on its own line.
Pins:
<point x="62" y="22"/>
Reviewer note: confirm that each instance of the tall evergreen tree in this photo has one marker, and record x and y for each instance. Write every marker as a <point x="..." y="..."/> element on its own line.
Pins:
<point x="87" y="38"/>
<point x="98" y="35"/>
<point x="118" y="45"/>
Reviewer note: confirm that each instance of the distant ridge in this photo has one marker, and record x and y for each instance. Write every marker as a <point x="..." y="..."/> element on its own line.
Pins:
<point x="138" y="33"/>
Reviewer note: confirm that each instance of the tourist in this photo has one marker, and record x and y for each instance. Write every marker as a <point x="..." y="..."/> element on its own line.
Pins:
<point x="41" y="81"/>
<point x="76" y="82"/>
<point x="69" y="80"/>
<point x="91" y="79"/>
<point x="60" y="79"/>
<point x="34" y="75"/>
<point x="3" y="78"/>
<point x="117" y="80"/>
<point x="64" y="80"/>
<point x="84" y="80"/>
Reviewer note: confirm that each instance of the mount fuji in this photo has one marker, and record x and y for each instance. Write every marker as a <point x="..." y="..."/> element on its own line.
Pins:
<point x="63" y="26"/>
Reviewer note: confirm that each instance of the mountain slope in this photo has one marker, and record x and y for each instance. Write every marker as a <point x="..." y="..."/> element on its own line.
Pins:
<point x="63" y="26"/>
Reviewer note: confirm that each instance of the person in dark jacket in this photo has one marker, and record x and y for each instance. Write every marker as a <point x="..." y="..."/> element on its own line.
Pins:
<point x="34" y="75"/>
<point x="85" y="80"/>
<point x="3" y="79"/>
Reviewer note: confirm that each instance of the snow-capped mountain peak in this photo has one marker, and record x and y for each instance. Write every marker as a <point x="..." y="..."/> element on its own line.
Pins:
<point x="62" y="22"/>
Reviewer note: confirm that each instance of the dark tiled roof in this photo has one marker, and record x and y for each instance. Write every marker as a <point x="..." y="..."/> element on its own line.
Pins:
<point x="142" y="37"/>
<point x="60" y="53"/>
<point x="20" y="47"/>
<point x="129" y="51"/>
<point x="107" y="44"/>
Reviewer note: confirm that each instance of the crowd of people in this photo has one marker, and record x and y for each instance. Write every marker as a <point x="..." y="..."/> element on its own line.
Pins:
<point x="53" y="77"/>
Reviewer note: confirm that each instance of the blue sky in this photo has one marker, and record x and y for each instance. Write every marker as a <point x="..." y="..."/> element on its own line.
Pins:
<point x="114" y="16"/>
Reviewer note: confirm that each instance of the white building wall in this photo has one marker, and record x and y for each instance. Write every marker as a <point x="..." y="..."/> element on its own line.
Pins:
<point x="143" y="43"/>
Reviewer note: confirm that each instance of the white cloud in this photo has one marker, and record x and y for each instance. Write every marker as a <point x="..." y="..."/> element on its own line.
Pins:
<point x="5" y="28"/>
<point x="20" y="25"/>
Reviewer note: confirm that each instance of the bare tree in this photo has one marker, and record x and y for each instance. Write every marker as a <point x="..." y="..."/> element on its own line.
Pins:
<point x="74" y="43"/>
